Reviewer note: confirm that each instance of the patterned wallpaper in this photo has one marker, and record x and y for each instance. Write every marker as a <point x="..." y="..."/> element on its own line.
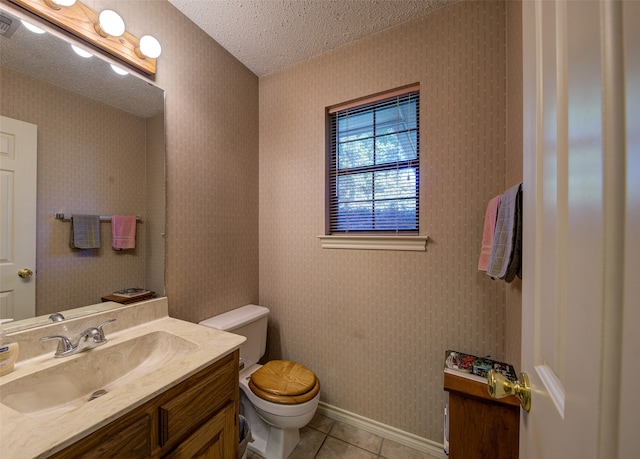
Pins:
<point x="92" y="160"/>
<point x="245" y="203"/>
<point x="374" y="325"/>
<point x="211" y="233"/>
<point x="514" y="166"/>
<point x="155" y="205"/>
<point x="212" y="163"/>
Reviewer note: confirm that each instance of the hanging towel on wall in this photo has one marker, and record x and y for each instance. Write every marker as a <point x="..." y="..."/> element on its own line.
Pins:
<point x="85" y="232"/>
<point x="515" y="264"/>
<point x="123" y="231"/>
<point x="504" y="237"/>
<point x="490" y="217"/>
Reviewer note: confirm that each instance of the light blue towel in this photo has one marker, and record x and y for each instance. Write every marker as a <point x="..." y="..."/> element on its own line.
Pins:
<point x="85" y="232"/>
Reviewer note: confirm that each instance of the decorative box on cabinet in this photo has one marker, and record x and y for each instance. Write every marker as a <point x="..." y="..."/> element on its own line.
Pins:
<point x="198" y="418"/>
<point x="480" y="426"/>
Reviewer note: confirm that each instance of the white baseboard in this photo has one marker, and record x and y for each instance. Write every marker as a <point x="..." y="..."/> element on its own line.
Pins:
<point x="433" y="448"/>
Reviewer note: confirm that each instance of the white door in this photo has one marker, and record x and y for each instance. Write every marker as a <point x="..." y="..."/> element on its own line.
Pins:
<point x="576" y="164"/>
<point x="630" y="371"/>
<point x="18" y="170"/>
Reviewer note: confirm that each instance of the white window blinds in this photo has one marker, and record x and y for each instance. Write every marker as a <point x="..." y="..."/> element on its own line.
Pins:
<point x="374" y="166"/>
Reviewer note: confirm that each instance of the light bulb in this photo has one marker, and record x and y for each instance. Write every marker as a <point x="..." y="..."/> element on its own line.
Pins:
<point x="58" y="4"/>
<point x="110" y="23"/>
<point x="81" y="52"/>
<point x="32" y="28"/>
<point x="118" y="70"/>
<point x="150" y="47"/>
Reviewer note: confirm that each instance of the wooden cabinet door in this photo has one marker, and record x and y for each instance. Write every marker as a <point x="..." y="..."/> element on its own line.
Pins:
<point x="214" y="440"/>
<point x="197" y="400"/>
<point x="117" y="440"/>
<point x="479" y="426"/>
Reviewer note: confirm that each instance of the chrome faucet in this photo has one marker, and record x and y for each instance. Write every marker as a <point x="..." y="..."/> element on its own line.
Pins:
<point x="90" y="338"/>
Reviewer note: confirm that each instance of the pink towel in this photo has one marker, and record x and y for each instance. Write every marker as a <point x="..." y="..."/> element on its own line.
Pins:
<point x="123" y="230"/>
<point x="490" y="217"/>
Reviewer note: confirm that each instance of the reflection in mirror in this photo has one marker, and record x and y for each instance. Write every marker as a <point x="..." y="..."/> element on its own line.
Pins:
<point x="100" y="151"/>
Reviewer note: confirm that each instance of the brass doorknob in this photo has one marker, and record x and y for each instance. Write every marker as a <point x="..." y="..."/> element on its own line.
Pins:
<point x="500" y="387"/>
<point x="25" y="273"/>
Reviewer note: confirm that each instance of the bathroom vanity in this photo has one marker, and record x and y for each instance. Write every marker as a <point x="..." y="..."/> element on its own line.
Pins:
<point x="197" y="417"/>
<point x="167" y="388"/>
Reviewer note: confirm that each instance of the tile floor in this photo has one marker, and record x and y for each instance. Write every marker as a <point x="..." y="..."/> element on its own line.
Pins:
<point x="325" y="438"/>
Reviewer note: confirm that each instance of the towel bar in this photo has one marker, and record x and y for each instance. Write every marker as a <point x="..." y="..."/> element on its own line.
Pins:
<point x="103" y="218"/>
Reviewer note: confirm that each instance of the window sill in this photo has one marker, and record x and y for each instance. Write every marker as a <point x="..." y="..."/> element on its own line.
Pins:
<point x="410" y="243"/>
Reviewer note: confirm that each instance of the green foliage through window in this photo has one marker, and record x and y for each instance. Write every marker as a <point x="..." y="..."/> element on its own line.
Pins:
<point x="374" y="166"/>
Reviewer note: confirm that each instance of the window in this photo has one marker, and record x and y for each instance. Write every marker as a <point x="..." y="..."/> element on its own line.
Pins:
<point x="374" y="165"/>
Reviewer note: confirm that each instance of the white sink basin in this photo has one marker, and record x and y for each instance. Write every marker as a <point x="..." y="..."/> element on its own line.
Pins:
<point x="71" y="383"/>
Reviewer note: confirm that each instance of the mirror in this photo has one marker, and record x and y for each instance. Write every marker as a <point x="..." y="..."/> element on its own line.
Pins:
<point x="101" y="151"/>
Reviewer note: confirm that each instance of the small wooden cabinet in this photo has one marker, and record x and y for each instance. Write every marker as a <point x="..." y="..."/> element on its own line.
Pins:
<point x="198" y="418"/>
<point x="480" y="426"/>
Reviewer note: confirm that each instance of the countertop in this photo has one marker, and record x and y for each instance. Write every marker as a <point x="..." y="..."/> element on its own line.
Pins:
<point x="31" y="436"/>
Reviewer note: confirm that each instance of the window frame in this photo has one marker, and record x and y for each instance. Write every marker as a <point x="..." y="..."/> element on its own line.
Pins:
<point x="405" y="239"/>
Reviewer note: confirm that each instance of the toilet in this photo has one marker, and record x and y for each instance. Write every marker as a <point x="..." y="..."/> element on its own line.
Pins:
<point x="277" y="398"/>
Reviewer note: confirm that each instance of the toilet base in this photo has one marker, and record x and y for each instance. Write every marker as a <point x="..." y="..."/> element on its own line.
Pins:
<point x="268" y="441"/>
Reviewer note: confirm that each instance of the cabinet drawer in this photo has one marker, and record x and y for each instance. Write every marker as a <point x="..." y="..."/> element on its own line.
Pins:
<point x="196" y="403"/>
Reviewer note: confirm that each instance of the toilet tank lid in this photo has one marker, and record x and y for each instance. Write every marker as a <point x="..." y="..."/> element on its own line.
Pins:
<point x="231" y="320"/>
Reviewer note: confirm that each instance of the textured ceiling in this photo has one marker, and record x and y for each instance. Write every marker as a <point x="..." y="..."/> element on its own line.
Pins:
<point x="265" y="35"/>
<point x="269" y="35"/>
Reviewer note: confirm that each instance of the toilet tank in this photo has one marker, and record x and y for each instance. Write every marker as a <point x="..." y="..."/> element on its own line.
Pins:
<point x="249" y="321"/>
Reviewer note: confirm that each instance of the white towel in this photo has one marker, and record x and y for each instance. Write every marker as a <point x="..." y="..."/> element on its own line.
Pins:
<point x="85" y="232"/>
<point x="502" y="249"/>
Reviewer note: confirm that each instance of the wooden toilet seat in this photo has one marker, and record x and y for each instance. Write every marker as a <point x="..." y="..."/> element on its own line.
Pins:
<point x="285" y="382"/>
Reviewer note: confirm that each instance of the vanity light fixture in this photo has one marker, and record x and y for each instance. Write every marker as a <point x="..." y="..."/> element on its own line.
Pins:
<point x="57" y="4"/>
<point x="149" y="47"/>
<point x="110" y="23"/>
<point x="81" y="52"/>
<point x="118" y="70"/>
<point x="106" y="30"/>
<point x="32" y="28"/>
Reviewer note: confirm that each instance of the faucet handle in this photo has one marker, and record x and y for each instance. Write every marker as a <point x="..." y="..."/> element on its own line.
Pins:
<point x="100" y="331"/>
<point x="99" y="327"/>
<point x="64" y="345"/>
<point x="106" y="323"/>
